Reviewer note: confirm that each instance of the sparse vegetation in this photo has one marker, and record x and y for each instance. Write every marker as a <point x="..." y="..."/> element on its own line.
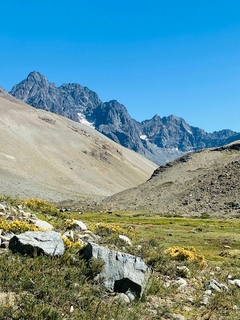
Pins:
<point x="65" y="287"/>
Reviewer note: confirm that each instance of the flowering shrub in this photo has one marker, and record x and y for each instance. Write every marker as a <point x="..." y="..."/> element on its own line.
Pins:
<point x="17" y="226"/>
<point x="41" y="206"/>
<point x="103" y="228"/>
<point x="68" y="223"/>
<point x="185" y="253"/>
<point x="70" y="244"/>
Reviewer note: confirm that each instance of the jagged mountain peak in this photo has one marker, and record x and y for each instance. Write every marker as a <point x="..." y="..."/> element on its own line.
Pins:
<point x="158" y="139"/>
<point x="36" y="78"/>
<point x="35" y="75"/>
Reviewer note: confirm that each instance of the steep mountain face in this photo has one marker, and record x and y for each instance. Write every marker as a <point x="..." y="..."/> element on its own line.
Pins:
<point x="44" y="155"/>
<point x="158" y="139"/>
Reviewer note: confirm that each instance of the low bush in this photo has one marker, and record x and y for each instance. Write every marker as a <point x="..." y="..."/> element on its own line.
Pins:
<point x="17" y="226"/>
<point x="41" y="206"/>
<point x="185" y="253"/>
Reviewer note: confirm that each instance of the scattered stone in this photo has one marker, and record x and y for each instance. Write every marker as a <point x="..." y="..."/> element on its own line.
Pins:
<point x="26" y="215"/>
<point x="176" y="316"/>
<point x="125" y="239"/>
<point x="130" y="295"/>
<point x="86" y="237"/>
<point x="7" y="298"/>
<point x="122" y="298"/>
<point x="43" y="225"/>
<point x="213" y="284"/>
<point x="79" y="225"/>
<point x="235" y="282"/>
<point x="206" y="297"/>
<point x="184" y="271"/>
<point x="38" y="242"/>
<point x="70" y="235"/>
<point x="180" y="283"/>
<point x="2" y="208"/>
<point x="5" y="238"/>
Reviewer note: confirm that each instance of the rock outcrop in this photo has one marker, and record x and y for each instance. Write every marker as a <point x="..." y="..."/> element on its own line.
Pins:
<point x="37" y="242"/>
<point x="122" y="272"/>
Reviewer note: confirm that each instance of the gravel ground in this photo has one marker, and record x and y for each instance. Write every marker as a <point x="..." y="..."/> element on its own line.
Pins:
<point x="202" y="182"/>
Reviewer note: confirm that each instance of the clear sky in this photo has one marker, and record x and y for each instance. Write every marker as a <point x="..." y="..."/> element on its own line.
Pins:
<point x="164" y="57"/>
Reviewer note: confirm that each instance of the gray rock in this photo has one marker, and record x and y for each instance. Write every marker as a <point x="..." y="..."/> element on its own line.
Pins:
<point x="79" y="225"/>
<point x="70" y="235"/>
<point x="184" y="271"/>
<point x="176" y="316"/>
<point x="122" y="271"/>
<point x="26" y="215"/>
<point x="214" y="285"/>
<point x="122" y="298"/>
<point x="235" y="282"/>
<point x="130" y="295"/>
<point x="125" y="239"/>
<point x="180" y="283"/>
<point x="39" y="242"/>
<point x="206" y="297"/>
<point x="44" y="225"/>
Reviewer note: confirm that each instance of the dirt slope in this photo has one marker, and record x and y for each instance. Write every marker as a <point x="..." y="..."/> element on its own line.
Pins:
<point x="51" y="157"/>
<point x="206" y="181"/>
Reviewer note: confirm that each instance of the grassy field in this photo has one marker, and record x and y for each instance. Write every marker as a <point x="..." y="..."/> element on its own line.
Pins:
<point x="210" y="237"/>
<point x="48" y="288"/>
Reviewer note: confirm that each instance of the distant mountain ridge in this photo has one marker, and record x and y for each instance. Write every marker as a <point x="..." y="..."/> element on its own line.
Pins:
<point x="158" y="139"/>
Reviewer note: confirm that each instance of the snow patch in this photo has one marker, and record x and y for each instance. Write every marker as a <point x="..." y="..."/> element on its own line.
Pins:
<point x="143" y="137"/>
<point x="83" y="120"/>
<point x="187" y="128"/>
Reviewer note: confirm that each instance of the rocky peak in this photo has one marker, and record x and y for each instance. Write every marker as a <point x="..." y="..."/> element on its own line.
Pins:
<point x="35" y="76"/>
<point x="158" y="139"/>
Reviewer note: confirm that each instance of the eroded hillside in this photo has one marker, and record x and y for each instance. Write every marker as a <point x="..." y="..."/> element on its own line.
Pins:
<point x="206" y="181"/>
<point x="48" y="156"/>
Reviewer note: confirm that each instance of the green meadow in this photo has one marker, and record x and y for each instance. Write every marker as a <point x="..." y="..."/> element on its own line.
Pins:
<point x="50" y="288"/>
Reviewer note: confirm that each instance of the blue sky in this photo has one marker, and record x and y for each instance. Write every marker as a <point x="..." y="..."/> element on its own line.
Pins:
<point x="179" y="57"/>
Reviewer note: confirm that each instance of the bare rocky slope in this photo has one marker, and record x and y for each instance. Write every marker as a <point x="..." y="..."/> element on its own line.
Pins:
<point x="198" y="183"/>
<point x="51" y="157"/>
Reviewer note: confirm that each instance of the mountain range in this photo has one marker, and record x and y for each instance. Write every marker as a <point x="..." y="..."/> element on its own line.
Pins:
<point x="48" y="156"/>
<point x="158" y="139"/>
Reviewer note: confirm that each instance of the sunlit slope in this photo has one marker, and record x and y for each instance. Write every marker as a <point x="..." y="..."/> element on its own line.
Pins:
<point x="202" y="182"/>
<point x="48" y="156"/>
